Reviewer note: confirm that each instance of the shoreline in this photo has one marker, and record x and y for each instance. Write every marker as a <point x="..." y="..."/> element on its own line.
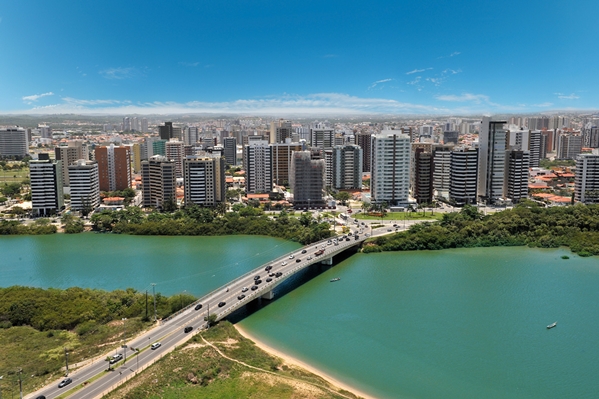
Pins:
<point x="295" y="362"/>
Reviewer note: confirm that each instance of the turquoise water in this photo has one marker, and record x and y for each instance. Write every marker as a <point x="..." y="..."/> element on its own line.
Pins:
<point x="465" y="323"/>
<point x="108" y="261"/>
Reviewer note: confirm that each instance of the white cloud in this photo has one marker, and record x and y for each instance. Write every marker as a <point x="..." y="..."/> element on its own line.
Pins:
<point x="118" y="73"/>
<point x="543" y="105"/>
<point x="464" y="97"/>
<point x="418" y="70"/>
<point x="416" y="80"/>
<point x="189" y="64"/>
<point x="567" y="97"/>
<point x="76" y="101"/>
<point x="450" y="55"/>
<point x="35" y="97"/>
<point x="373" y="85"/>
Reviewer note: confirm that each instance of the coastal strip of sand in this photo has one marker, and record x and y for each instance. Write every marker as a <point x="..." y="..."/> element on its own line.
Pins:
<point x="293" y="361"/>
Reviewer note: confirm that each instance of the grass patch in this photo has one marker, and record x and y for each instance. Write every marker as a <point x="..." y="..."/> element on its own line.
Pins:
<point x="401" y="216"/>
<point x="199" y="371"/>
<point x="12" y="176"/>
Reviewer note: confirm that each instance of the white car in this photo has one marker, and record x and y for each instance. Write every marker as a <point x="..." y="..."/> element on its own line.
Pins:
<point x="309" y="257"/>
<point x="290" y="256"/>
<point x="156" y="345"/>
<point x="283" y="264"/>
<point x="244" y="289"/>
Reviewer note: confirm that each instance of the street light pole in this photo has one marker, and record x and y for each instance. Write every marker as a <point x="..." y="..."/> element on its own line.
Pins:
<point x="124" y="344"/>
<point x="66" y="359"/>
<point x="154" y="294"/>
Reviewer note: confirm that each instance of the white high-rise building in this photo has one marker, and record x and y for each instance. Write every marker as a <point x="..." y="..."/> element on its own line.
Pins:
<point x="257" y="162"/>
<point x="587" y="178"/>
<point x="190" y="136"/>
<point x="491" y="161"/>
<point x="144" y="125"/>
<point x="13" y="142"/>
<point x="47" y="197"/>
<point x="441" y="170"/>
<point x="85" y="185"/>
<point x="347" y="167"/>
<point x="390" y="180"/>
<point x="322" y="135"/>
<point x="463" y="171"/>
<point x="175" y="151"/>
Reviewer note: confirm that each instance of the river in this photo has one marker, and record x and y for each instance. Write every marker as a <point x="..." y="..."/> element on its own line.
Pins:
<point x="468" y="323"/>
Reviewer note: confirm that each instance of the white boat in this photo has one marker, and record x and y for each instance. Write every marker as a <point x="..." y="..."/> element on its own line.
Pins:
<point x="335" y="279"/>
<point x="552" y="325"/>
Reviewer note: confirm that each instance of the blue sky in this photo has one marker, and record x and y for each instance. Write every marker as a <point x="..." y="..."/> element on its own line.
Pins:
<point x="304" y="56"/>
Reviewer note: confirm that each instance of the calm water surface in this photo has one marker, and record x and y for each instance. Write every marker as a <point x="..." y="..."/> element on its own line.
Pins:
<point x="442" y="324"/>
<point x="458" y="324"/>
<point x="109" y="261"/>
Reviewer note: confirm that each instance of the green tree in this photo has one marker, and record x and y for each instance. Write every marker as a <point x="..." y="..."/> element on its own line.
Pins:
<point x="343" y="196"/>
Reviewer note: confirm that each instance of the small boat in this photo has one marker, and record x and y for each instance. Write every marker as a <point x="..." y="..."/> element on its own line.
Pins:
<point x="552" y="325"/>
<point x="335" y="279"/>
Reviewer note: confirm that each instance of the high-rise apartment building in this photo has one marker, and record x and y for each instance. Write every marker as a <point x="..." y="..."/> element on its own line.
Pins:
<point x="491" y="163"/>
<point x="70" y="153"/>
<point x="347" y="167"/>
<point x="281" y="161"/>
<point x="230" y="150"/>
<point x="390" y="178"/>
<point x="159" y="147"/>
<point x="280" y="131"/>
<point x="364" y="141"/>
<point x="144" y="125"/>
<point x="166" y="131"/>
<point x="190" y="135"/>
<point x="322" y="135"/>
<point x="569" y="146"/>
<point x="13" y="142"/>
<point x="586" y="182"/>
<point x="441" y="170"/>
<point x="463" y="176"/>
<point x="306" y="178"/>
<point x="516" y="175"/>
<point x="136" y="157"/>
<point x="85" y="185"/>
<point x="47" y="197"/>
<point x="534" y="146"/>
<point x="158" y="181"/>
<point x="45" y="131"/>
<point x="422" y="183"/>
<point x="450" y="137"/>
<point x="257" y="163"/>
<point x="114" y="167"/>
<point x="175" y="151"/>
<point x="204" y="180"/>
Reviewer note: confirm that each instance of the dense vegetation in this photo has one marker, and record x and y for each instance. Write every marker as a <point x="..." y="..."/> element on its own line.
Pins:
<point x="527" y="224"/>
<point x="14" y="227"/>
<point x="199" y="371"/>
<point x="206" y="222"/>
<point x="36" y="326"/>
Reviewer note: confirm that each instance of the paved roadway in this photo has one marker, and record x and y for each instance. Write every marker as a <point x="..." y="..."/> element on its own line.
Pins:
<point x="171" y="332"/>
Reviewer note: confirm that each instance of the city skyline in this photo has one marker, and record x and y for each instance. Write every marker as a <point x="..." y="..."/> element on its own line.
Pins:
<point x="297" y="58"/>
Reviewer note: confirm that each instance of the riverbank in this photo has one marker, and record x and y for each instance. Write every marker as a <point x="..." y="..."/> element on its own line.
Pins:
<point x="293" y="361"/>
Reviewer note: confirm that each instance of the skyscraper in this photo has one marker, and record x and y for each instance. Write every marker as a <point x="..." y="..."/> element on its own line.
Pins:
<point x="73" y="151"/>
<point x="230" y="150"/>
<point x="422" y="183"/>
<point x="390" y="179"/>
<point x="158" y="181"/>
<point x="166" y="131"/>
<point x="257" y="163"/>
<point x="281" y="161"/>
<point x="114" y="167"/>
<point x="307" y="180"/>
<point x="175" y="151"/>
<point x="441" y="170"/>
<point x="587" y="178"/>
<point x="516" y="175"/>
<point x="364" y="141"/>
<point x="13" y="142"/>
<point x="347" y="167"/>
<point x="569" y="145"/>
<point x="85" y="185"/>
<point x="464" y="176"/>
<point x="47" y="197"/>
<point x="491" y="162"/>
<point x="204" y="180"/>
<point x="322" y="135"/>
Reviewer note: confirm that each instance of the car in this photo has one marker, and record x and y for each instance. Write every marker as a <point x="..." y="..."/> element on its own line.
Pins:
<point x="221" y="304"/>
<point x="279" y="274"/>
<point x="298" y="260"/>
<point x="254" y="288"/>
<point x="116" y="358"/>
<point x="267" y="268"/>
<point x="389" y="230"/>
<point x="349" y="234"/>
<point x="304" y="251"/>
<point x="64" y="382"/>
<point x="155" y="345"/>
<point x="40" y="397"/>
<point x="363" y="224"/>
<point x="310" y="257"/>
<point x="291" y="256"/>
<point x="268" y="280"/>
<point x="395" y="225"/>
<point x="258" y="282"/>
<point x="198" y="306"/>
<point x="188" y="329"/>
<point x="256" y="278"/>
<point x="271" y="275"/>
<point x="347" y="239"/>
<point x="240" y="297"/>
<point x="244" y="289"/>
<point x="283" y="264"/>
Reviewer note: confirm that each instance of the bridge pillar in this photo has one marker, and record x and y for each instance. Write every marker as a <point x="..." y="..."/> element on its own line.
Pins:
<point x="269" y="295"/>
<point x="328" y="261"/>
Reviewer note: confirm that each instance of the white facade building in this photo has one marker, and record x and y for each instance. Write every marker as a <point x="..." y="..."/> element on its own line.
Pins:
<point x="85" y="185"/>
<point x="390" y="180"/>
<point x="257" y="163"/>
<point x="13" y="142"/>
<point x="47" y="197"/>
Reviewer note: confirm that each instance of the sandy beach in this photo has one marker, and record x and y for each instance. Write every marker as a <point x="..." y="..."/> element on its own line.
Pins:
<point x="293" y="361"/>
